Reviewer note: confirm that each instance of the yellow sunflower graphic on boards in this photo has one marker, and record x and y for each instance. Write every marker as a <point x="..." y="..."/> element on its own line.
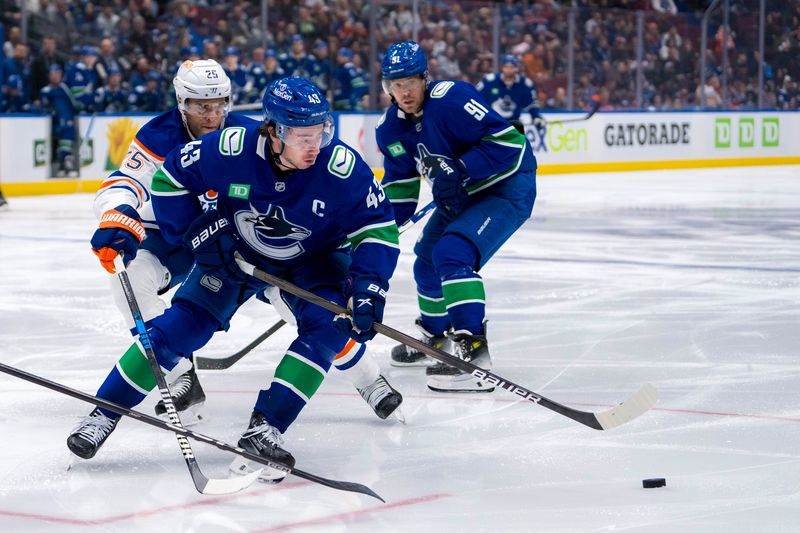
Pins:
<point x="120" y="133"/>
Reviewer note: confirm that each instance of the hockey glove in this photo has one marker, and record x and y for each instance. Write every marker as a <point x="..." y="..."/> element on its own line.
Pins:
<point x="120" y="230"/>
<point x="366" y="304"/>
<point x="540" y="124"/>
<point x="213" y="243"/>
<point x="449" y="179"/>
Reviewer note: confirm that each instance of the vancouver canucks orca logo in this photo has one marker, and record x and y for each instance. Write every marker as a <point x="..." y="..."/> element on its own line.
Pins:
<point x="422" y="153"/>
<point x="270" y="233"/>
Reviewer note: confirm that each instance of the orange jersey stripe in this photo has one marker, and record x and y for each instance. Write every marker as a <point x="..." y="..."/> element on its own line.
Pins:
<point x="346" y="349"/>
<point x="148" y="152"/>
<point x="117" y="179"/>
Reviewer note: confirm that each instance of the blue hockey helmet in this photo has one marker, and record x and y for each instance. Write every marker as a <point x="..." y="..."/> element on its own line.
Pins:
<point x="295" y="102"/>
<point x="403" y="60"/>
<point x="509" y="59"/>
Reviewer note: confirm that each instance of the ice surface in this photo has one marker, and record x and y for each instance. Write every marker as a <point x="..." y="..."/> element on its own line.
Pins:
<point x="686" y="279"/>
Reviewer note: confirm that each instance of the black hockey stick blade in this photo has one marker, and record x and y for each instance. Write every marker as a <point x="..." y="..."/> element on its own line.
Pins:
<point x="590" y="114"/>
<point x="633" y="407"/>
<point x="181" y="431"/>
<point x="211" y="363"/>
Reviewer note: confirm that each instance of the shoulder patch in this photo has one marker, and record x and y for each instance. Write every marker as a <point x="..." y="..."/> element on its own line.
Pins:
<point x="231" y="141"/>
<point x="441" y="89"/>
<point x="342" y="162"/>
<point x="381" y="120"/>
<point x="396" y="149"/>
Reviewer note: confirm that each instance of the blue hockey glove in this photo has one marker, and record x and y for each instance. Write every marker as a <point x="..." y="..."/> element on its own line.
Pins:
<point x="212" y="241"/>
<point x="449" y="179"/>
<point x="366" y="306"/>
<point x="120" y="230"/>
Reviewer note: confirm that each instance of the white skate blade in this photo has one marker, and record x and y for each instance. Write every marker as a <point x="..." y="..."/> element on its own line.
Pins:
<point x="458" y="383"/>
<point x="397" y="415"/>
<point x="421" y="363"/>
<point x="242" y="467"/>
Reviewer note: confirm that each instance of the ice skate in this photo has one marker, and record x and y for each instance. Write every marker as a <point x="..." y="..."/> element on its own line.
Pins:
<point x="90" y="434"/>
<point x="384" y="399"/>
<point x="188" y="397"/>
<point x="472" y="349"/>
<point x="403" y="355"/>
<point x="264" y="440"/>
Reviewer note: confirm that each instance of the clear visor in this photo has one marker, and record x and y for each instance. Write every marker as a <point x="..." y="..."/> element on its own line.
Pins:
<point x="307" y="137"/>
<point x="401" y="85"/>
<point x="202" y="109"/>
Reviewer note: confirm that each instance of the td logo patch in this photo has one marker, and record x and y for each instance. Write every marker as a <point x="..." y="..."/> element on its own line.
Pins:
<point x="239" y="190"/>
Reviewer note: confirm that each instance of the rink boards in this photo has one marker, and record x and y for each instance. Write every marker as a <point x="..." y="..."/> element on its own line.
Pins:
<point x="608" y="141"/>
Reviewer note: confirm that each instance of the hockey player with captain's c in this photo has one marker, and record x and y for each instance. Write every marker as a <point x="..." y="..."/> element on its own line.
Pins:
<point x="287" y="204"/>
<point x="123" y="205"/>
<point x="483" y="176"/>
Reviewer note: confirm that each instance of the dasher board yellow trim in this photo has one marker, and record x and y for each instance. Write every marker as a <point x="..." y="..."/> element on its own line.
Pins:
<point x="54" y="186"/>
<point x="621" y="166"/>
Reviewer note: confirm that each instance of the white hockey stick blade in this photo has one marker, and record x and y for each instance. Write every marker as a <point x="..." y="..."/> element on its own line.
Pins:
<point x="231" y="484"/>
<point x="638" y="404"/>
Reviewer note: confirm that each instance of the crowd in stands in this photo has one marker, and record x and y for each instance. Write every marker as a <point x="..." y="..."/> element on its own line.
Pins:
<point x="119" y="56"/>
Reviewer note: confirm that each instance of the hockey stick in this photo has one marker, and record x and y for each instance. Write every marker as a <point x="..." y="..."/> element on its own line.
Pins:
<point x="183" y="432"/>
<point x="212" y="363"/>
<point x="416" y="217"/>
<point x="592" y="111"/>
<point x="634" y="406"/>
<point x="203" y="484"/>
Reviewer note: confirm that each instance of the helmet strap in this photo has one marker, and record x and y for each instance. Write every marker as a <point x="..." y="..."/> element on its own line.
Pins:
<point x="275" y="157"/>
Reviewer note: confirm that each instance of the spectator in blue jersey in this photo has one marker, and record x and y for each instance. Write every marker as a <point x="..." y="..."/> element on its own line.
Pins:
<point x="348" y="82"/>
<point x="294" y="62"/>
<point x="81" y="78"/>
<point x="511" y="94"/>
<point x="148" y="98"/>
<point x="483" y="175"/>
<point x="14" y="97"/>
<point x="111" y="97"/>
<point x="236" y="72"/>
<point x="287" y="205"/>
<point x="58" y="101"/>
<point x="18" y="65"/>
<point x="318" y="67"/>
<point x="262" y="75"/>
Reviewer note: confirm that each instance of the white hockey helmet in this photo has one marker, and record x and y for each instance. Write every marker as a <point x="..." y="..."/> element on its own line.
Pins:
<point x="202" y="80"/>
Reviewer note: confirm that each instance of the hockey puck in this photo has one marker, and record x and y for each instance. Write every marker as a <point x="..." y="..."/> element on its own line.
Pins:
<point x="654" y="482"/>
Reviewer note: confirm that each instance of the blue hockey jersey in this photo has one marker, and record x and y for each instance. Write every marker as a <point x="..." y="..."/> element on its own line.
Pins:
<point x="509" y="101"/>
<point x="284" y="219"/>
<point x="456" y="123"/>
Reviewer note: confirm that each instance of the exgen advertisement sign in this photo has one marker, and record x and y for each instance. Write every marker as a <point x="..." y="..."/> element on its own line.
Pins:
<point x="747" y="132"/>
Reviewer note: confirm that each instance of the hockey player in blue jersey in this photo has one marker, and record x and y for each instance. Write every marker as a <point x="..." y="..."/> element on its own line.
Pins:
<point x="289" y="198"/>
<point x="511" y="94"/>
<point x="128" y="225"/>
<point x="483" y="175"/>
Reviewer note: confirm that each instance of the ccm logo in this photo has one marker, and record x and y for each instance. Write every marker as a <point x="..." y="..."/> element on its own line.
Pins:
<point x="208" y="231"/>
